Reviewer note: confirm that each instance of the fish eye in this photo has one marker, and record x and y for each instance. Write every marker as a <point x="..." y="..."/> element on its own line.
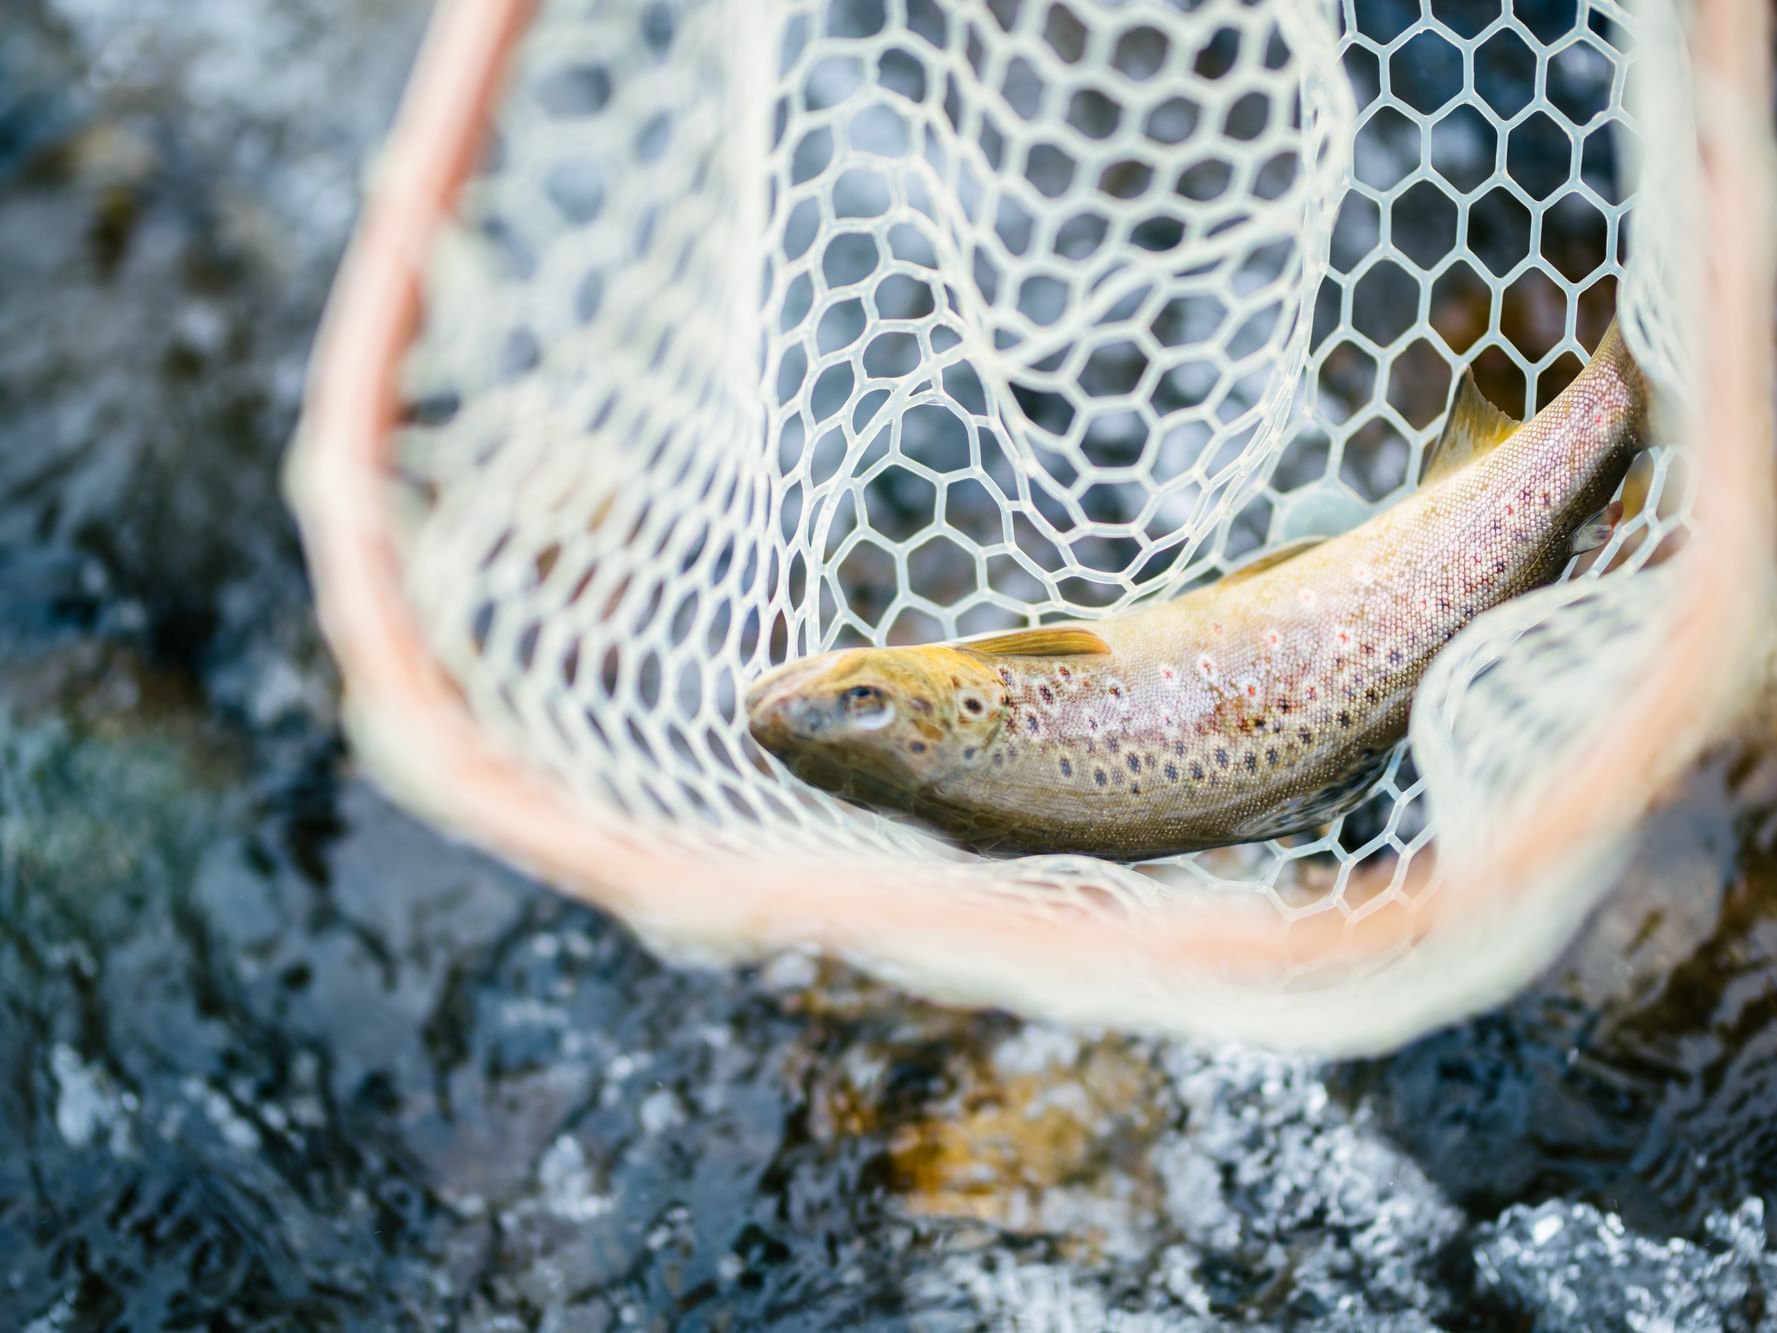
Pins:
<point x="867" y="707"/>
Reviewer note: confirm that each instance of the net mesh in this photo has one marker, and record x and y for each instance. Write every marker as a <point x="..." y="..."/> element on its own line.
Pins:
<point x="766" y="329"/>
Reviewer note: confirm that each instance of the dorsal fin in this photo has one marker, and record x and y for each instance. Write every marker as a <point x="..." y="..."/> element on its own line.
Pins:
<point x="1271" y="559"/>
<point x="1043" y="641"/>
<point x="1472" y="427"/>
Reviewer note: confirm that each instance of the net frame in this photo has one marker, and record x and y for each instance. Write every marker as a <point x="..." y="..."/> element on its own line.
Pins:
<point x="409" y="717"/>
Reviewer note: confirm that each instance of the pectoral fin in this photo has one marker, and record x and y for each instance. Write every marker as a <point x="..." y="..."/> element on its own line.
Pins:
<point x="1472" y="427"/>
<point x="1044" y="641"/>
<point x="1595" y="531"/>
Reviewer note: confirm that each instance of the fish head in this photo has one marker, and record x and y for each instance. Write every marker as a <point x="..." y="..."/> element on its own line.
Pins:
<point x="877" y="722"/>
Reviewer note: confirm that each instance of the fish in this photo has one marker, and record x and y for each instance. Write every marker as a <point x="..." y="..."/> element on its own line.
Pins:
<point x="1260" y="705"/>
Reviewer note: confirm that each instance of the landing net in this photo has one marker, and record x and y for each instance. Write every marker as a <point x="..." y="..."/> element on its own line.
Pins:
<point x="684" y="338"/>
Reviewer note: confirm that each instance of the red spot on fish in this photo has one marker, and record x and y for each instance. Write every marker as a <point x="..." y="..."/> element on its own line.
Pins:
<point x="1216" y="628"/>
<point x="1271" y="638"/>
<point x="1510" y="510"/>
<point x="1598" y="417"/>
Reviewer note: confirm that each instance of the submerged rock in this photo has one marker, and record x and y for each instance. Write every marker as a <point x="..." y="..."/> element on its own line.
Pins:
<point x="1566" y="1265"/>
<point x="277" y="1056"/>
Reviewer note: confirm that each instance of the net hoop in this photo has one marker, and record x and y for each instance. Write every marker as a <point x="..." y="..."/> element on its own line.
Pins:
<point x="410" y="721"/>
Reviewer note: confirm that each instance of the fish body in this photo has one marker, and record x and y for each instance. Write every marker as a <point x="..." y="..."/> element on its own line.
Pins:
<point x="1264" y="704"/>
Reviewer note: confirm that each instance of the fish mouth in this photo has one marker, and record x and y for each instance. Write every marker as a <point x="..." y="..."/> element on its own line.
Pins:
<point x="782" y="680"/>
<point x="777" y="713"/>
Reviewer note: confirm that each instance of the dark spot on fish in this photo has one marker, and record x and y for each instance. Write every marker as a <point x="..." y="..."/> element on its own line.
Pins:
<point x="1271" y="756"/>
<point x="1443" y="603"/>
<point x="1047" y="693"/>
<point x="1064" y="673"/>
<point x="1394" y="654"/>
<point x="1370" y="694"/>
<point x="1112" y="744"/>
<point x="1067" y="769"/>
<point x="1305" y="736"/>
<point x="1369" y="648"/>
<point x="969" y="753"/>
<point x="1284" y="705"/>
<point x="1197" y="771"/>
<point x="1031" y="724"/>
<point x="1344" y="718"/>
<point x="1222" y="758"/>
<point x="1135" y="789"/>
<point x="1252" y="762"/>
<point x="918" y="747"/>
<point x="1005" y="676"/>
<point x="1005" y="701"/>
<point x="1099" y="777"/>
<point x="1116" y="691"/>
<point x="1499" y="566"/>
<point x="972" y="705"/>
<point x="1172" y="772"/>
<point x="998" y="759"/>
<point x="1135" y="763"/>
<point x="1178" y="747"/>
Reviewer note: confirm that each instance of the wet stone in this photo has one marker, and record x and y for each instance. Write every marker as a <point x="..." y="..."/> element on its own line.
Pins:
<point x="278" y="1056"/>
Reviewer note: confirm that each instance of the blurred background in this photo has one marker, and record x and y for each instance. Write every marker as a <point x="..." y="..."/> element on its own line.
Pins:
<point x="275" y="1055"/>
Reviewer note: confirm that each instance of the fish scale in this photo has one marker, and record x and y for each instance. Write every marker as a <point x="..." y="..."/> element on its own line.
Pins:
<point x="1264" y="704"/>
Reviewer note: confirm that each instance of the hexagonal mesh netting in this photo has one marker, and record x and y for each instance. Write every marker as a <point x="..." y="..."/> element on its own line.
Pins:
<point x="767" y="328"/>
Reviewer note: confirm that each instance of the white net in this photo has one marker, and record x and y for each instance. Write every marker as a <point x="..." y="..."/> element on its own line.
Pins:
<point x="767" y="328"/>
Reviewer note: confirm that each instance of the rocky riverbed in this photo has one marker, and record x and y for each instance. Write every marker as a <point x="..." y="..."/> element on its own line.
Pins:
<point x="277" y="1056"/>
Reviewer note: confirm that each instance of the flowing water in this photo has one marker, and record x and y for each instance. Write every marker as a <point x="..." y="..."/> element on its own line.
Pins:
<point x="273" y="1055"/>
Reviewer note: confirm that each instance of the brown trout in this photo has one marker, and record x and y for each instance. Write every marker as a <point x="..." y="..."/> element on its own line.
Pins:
<point x="1261" y="705"/>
